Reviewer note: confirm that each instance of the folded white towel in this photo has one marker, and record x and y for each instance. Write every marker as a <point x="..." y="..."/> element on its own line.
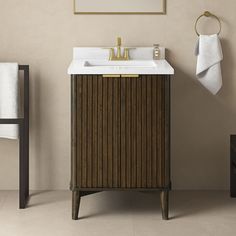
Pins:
<point x="209" y="55"/>
<point x="8" y="98"/>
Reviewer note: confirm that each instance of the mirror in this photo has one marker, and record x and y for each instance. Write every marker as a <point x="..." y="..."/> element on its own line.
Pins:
<point x="120" y="6"/>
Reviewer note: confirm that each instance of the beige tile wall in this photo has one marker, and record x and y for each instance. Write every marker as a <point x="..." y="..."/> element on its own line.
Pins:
<point x="42" y="34"/>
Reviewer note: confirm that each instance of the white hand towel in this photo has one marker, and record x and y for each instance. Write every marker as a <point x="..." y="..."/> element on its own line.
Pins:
<point x="8" y="98"/>
<point x="209" y="55"/>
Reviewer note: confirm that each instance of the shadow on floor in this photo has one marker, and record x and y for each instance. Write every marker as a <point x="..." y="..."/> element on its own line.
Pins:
<point x="45" y="197"/>
<point x="182" y="203"/>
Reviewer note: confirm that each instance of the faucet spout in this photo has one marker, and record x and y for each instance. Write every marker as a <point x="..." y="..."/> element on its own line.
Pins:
<point x="118" y="40"/>
<point x="118" y="47"/>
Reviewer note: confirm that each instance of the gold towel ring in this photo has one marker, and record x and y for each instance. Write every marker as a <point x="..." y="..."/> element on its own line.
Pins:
<point x="207" y="14"/>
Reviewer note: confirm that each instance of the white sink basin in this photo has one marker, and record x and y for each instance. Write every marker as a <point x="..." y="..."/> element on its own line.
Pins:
<point x="131" y="63"/>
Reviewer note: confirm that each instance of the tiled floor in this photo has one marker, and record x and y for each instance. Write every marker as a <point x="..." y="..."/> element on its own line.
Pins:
<point x="200" y="213"/>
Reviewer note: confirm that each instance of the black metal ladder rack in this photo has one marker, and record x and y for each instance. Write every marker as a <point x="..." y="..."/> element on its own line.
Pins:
<point x="23" y="142"/>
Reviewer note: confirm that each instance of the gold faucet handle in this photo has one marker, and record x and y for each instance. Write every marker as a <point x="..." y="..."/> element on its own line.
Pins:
<point x="111" y="53"/>
<point x="126" y="53"/>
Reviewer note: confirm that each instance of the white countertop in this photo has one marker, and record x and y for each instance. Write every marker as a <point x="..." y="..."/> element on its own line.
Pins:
<point x="140" y="62"/>
<point x="162" y="68"/>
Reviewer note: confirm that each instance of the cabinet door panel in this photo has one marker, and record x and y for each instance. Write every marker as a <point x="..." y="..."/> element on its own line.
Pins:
<point x="120" y="132"/>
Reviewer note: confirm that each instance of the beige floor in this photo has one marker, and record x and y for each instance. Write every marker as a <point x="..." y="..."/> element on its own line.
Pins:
<point x="200" y="213"/>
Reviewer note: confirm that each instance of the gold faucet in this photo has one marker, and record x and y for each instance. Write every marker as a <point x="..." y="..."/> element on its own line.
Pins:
<point x="118" y="55"/>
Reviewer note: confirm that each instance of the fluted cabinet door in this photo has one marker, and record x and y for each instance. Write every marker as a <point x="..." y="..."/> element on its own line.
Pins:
<point x="121" y="132"/>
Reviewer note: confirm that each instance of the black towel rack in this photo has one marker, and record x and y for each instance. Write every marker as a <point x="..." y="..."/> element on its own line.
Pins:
<point x="23" y="123"/>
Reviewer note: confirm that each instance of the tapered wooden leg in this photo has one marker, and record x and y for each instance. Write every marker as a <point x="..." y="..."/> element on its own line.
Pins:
<point x="76" y="195"/>
<point x="165" y="204"/>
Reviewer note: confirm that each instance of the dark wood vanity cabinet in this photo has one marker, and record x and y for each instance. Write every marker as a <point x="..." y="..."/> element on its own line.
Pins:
<point x="120" y="135"/>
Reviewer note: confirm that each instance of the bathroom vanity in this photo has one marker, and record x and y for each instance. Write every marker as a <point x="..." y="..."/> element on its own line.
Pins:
<point x="120" y="123"/>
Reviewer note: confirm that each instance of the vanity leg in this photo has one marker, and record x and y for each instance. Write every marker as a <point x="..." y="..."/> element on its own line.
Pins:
<point x="75" y="204"/>
<point x="165" y="204"/>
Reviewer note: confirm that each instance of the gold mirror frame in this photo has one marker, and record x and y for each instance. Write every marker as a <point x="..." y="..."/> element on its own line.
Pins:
<point x="122" y="13"/>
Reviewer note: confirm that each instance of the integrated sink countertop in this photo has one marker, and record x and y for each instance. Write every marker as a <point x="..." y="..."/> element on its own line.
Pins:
<point x="94" y="61"/>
